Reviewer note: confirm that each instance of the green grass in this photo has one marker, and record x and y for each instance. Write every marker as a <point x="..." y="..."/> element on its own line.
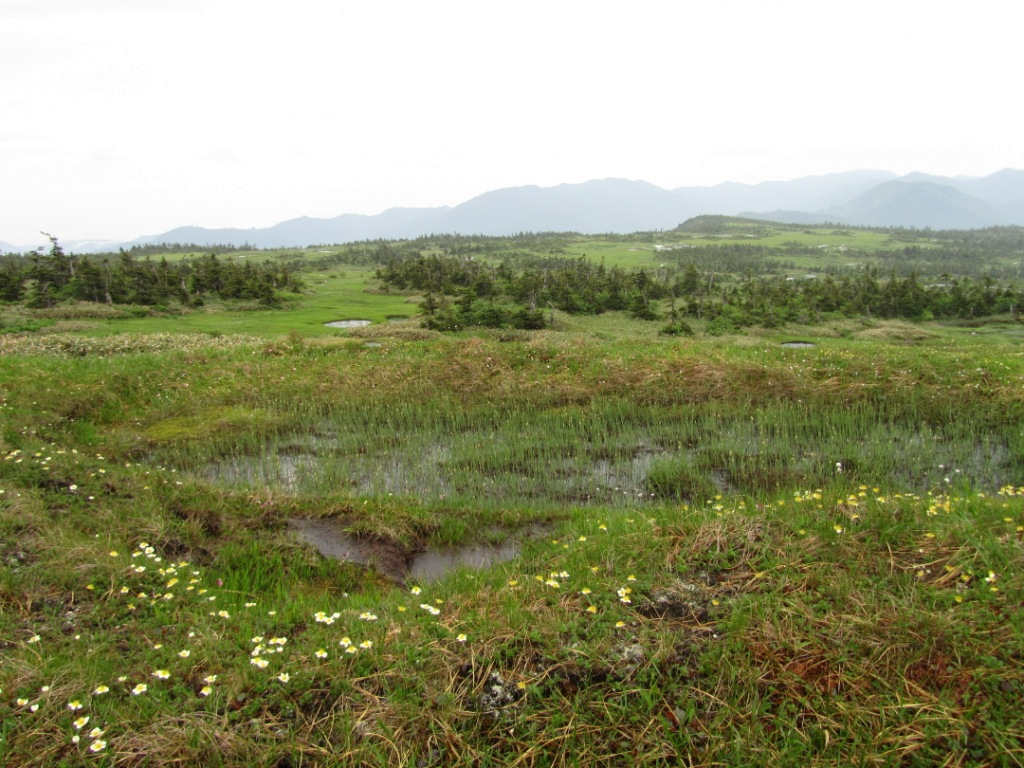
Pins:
<point x="828" y="571"/>
<point x="334" y="295"/>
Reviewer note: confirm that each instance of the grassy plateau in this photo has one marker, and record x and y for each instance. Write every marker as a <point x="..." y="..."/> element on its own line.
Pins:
<point x="729" y="551"/>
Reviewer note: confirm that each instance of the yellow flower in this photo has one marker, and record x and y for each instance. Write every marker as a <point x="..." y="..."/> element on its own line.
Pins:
<point x="81" y="722"/>
<point x="139" y="689"/>
<point x="74" y="705"/>
<point x="321" y="654"/>
<point x="461" y="638"/>
<point x="205" y="690"/>
<point x="185" y="654"/>
<point x="99" y="689"/>
<point x="97" y="746"/>
<point x="161" y="674"/>
<point x="284" y="677"/>
<point x="592" y="609"/>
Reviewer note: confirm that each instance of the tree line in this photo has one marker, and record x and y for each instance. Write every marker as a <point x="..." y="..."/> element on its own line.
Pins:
<point x="46" y="279"/>
<point x="462" y="292"/>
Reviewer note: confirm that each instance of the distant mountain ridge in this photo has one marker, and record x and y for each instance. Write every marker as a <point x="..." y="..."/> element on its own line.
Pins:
<point x="858" y="198"/>
<point x="922" y="201"/>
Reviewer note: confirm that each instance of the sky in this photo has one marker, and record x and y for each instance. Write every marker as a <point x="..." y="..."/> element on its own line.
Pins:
<point x="123" y="118"/>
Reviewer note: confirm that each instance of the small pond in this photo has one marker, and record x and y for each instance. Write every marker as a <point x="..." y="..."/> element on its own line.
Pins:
<point x="332" y="540"/>
<point x="347" y="323"/>
<point x="798" y="344"/>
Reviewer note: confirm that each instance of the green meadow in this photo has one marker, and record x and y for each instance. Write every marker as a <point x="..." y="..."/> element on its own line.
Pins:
<point x="728" y="551"/>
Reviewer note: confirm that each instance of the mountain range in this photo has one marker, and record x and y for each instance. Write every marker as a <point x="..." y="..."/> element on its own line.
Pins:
<point x="857" y="198"/>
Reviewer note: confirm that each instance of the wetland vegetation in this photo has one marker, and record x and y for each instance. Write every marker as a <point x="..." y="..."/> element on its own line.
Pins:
<point x="712" y="546"/>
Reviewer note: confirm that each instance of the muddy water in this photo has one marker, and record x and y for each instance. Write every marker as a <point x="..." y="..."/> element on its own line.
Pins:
<point x="431" y="565"/>
<point x="332" y="540"/>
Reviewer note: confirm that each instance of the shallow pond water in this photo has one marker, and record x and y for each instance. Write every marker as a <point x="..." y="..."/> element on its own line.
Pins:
<point x="347" y="323"/>
<point x="798" y="344"/>
<point x="332" y="540"/>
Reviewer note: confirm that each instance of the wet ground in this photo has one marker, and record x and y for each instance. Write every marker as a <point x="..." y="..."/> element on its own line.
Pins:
<point x="331" y="539"/>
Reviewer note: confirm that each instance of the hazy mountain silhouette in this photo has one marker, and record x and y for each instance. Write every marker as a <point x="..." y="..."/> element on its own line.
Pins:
<point x="810" y="193"/>
<point x="608" y="205"/>
<point x="918" y="204"/>
<point x="864" y="197"/>
<point x="922" y="201"/>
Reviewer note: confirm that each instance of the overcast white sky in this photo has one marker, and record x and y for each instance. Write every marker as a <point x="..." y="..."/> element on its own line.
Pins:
<point x="121" y="118"/>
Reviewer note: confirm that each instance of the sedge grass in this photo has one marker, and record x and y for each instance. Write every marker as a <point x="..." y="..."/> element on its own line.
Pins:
<point x="804" y="613"/>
